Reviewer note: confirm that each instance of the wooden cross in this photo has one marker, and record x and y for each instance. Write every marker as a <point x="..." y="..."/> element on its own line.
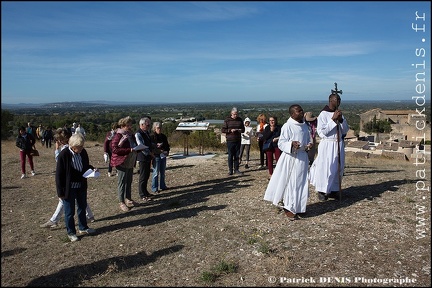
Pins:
<point x="336" y="91"/>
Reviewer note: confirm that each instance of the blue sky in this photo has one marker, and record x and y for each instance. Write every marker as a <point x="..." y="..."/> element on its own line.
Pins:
<point x="173" y="52"/>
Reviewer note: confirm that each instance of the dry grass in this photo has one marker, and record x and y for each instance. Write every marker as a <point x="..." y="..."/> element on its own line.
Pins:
<point x="215" y="230"/>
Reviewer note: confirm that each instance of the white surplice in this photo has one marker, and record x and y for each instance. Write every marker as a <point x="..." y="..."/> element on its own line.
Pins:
<point x="324" y="170"/>
<point x="289" y="180"/>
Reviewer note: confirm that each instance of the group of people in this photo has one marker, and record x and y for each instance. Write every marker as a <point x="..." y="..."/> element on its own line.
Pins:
<point x="288" y="144"/>
<point x="44" y="135"/>
<point x="239" y="136"/>
<point x="123" y="148"/>
<point x="148" y="146"/>
<point x="292" y="147"/>
<point x="289" y="186"/>
<point x="26" y="142"/>
<point x="267" y="136"/>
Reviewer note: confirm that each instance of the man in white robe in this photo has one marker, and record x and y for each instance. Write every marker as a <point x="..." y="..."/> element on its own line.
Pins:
<point x="288" y="183"/>
<point x="324" y="170"/>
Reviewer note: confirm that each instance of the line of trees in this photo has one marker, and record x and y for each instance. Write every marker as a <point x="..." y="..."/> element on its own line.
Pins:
<point x="97" y="119"/>
<point x="97" y="125"/>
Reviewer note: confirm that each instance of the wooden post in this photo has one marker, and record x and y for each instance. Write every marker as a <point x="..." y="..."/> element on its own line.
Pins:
<point x="336" y="92"/>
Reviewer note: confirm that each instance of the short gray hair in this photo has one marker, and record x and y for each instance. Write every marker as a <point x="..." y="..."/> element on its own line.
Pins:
<point x="76" y="140"/>
<point x="143" y="120"/>
<point x="155" y="125"/>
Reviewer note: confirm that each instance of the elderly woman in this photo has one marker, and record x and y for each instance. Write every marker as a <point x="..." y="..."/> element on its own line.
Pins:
<point x="61" y="138"/>
<point x="124" y="158"/>
<point x="159" y="160"/>
<point x="72" y="163"/>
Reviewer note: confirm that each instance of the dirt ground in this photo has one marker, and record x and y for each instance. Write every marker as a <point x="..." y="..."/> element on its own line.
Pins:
<point x="210" y="229"/>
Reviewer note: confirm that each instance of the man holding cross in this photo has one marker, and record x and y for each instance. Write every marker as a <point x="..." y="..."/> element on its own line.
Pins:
<point x="327" y="169"/>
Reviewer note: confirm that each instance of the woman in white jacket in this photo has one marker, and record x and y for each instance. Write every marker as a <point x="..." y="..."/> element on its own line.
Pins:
<point x="246" y="141"/>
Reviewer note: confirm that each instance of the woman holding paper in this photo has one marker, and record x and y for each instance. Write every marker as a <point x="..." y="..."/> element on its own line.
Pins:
<point x="124" y="159"/>
<point x="159" y="160"/>
<point x="71" y="186"/>
<point x="61" y="138"/>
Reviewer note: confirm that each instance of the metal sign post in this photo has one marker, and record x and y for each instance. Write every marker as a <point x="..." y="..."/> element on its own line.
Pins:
<point x="187" y="127"/>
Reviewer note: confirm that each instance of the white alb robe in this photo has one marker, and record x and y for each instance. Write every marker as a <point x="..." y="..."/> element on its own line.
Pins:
<point x="323" y="173"/>
<point x="289" y="180"/>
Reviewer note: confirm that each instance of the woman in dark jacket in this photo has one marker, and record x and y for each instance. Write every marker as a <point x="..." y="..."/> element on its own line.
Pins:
<point x="72" y="163"/>
<point x="159" y="161"/>
<point x="25" y="142"/>
<point x="272" y="133"/>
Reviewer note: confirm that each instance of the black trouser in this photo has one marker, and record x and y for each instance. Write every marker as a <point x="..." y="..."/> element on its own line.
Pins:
<point x="48" y="142"/>
<point x="110" y="168"/>
<point x="144" y="175"/>
<point x="233" y="155"/>
<point x="262" y="153"/>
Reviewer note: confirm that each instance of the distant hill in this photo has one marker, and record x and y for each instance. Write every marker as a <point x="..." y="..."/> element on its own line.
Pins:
<point x="104" y="103"/>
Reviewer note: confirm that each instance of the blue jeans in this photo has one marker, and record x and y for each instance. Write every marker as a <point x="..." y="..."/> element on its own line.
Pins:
<point x="159" y="167"/>
<point x="80" y="196"/>
<point x="233" y="155"/>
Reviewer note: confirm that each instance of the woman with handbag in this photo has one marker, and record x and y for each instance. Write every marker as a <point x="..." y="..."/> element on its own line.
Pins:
<point x="123" y="159"/>
<point x="25" y="141"/>
<point x="270" y="147"/>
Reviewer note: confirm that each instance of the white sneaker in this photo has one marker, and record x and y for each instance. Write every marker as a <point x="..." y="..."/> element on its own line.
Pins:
<point x="109" y="174"/>
<point x="73" y="237"/>
<point x="23" y="176"/>
<point x="87" y="231"/>
<point x="49" y="224"/>
<point x="33" y="173"/>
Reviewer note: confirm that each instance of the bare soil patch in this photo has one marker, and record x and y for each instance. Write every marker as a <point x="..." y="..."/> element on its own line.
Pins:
<point x="210" y="229"/>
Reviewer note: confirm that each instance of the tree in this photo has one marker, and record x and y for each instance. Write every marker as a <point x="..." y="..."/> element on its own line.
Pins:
<point x="377" y="126"/>
<point x="6" y="128"/>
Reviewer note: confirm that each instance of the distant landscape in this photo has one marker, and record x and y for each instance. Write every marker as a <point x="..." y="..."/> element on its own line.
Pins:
<point x="97" y="116"/>
<point x="95" y="103"/>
